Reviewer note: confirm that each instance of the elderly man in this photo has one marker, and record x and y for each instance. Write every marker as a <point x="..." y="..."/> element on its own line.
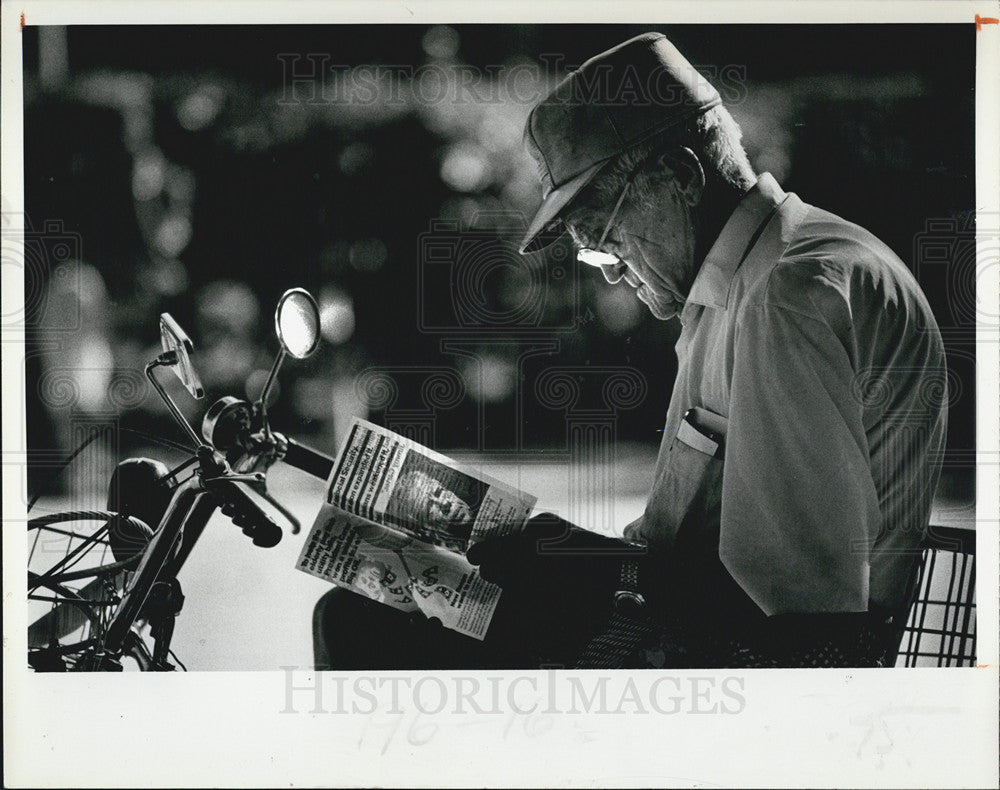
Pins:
<point x="802" y="441"/>
<point x="431" y="510"/>
<point x="803" y="437"/>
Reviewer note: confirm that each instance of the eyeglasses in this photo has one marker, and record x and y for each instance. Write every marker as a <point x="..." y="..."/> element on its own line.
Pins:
<point x="594" y="257"/>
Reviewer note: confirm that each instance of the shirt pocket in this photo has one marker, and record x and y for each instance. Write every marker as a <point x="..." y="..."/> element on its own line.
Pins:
<point x="687" y="491"/>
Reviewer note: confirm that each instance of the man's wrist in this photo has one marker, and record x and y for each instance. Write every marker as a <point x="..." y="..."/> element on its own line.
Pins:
<point x="640" y="591"/>
<point x="628" y="598"/>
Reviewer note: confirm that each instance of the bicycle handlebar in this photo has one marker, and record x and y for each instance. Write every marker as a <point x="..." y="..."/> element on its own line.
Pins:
<point x="247" y="514"/>
<point x="234" y="501"/>
<point x="308" y="460"/>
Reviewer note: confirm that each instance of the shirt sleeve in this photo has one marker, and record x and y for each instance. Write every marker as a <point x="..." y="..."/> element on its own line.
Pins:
<point x="799" y="504"/>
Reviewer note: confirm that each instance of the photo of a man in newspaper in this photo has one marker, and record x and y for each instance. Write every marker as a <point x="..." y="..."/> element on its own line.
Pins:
<point x="435" y="502"/>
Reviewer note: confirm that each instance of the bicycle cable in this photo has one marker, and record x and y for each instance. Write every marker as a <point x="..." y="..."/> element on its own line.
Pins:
<point x="58" y="470"/>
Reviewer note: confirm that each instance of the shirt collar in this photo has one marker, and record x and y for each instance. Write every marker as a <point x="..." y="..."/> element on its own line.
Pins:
<point x="711" y="285"/>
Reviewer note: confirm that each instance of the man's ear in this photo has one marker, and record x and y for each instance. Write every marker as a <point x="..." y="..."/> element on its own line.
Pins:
<point x="683" y="166"/>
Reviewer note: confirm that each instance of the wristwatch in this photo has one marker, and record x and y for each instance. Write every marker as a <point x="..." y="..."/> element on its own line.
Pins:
<point x="628" y="601"/>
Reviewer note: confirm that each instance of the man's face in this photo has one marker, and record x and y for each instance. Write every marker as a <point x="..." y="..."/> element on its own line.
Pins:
<point x="654" y="241"/>
<point x="445" y="508"/>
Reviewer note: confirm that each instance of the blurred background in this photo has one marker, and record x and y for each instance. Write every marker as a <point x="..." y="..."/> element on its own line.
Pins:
<point x="202" y="171"/>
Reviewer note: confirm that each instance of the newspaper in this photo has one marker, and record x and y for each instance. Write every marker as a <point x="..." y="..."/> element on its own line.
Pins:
<point x="396" y="523"/>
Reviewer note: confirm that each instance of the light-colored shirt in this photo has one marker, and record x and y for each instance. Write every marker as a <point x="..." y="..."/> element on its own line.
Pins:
<point x="809" y="346"/>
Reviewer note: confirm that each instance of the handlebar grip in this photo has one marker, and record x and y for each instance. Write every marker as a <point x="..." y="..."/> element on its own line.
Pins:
<point x="308" y="460"/>
<point x="248" y="515"/>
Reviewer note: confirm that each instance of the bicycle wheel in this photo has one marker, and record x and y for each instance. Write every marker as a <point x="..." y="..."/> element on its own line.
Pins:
<point x="74" y="587"/>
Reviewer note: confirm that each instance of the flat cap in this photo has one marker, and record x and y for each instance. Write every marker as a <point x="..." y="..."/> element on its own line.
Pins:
<point x="616" y="100"/>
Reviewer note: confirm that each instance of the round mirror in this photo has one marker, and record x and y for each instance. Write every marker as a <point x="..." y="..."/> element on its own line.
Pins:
<point x="297" y="323"/>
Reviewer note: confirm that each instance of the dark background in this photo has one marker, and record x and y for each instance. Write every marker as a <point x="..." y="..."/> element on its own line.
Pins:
<point x="188" y="177"/>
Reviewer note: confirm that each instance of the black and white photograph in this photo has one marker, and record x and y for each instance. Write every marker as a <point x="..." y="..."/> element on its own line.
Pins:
<point x="721" y="293"/>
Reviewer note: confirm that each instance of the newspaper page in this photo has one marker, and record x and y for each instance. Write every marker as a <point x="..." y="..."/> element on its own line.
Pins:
<point x="397" y="520"/>
<point x="398" y="570"/>
<point x="394" y="481"/>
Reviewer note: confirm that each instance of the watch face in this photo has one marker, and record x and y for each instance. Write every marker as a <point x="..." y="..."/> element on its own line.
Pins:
<point x="629" y="603"/>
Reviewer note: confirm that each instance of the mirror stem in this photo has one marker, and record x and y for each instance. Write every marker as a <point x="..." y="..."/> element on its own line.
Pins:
<point x="267" y="390"/>
<point x="170" y="358"/>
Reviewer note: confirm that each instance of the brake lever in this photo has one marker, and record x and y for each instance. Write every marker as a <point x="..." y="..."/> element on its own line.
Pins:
<point x="257" y="481"/>
<point x="262" y="451"/>
<point x="296" y="524"/>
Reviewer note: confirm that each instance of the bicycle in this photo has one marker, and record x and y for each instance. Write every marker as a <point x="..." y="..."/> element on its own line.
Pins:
<point x="105" y="612"/>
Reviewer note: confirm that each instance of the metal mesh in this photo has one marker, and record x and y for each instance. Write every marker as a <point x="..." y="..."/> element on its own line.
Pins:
<point x="941" y="629"/>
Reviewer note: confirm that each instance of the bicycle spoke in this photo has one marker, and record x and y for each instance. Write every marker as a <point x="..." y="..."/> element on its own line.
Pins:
<point x="66" y="532"/>
<point x="102" y="570"/>
<point x="77" y="601"/>
<point x="84" y="609"/>
<point x="77" y="591"/>
<point x="77" y="552"/>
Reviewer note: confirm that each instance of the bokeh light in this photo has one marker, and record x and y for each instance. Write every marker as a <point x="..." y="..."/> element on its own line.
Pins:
<point x="255" y="386"/>
<point x="148" y="174"/>
<point x="618" y="308"/>
<point x="465" y="167"/>
<point x="489" y="378"/>
<point x="167" y="277"/>
<point x="367" y="255"/>
<point x="441" y="42"/>
<point x="355" y="157"/>
<point x="336" y="316"/>
<point x="200" y="108"/>
<point x="173" y="235"/>
<point x="228" y="306"/>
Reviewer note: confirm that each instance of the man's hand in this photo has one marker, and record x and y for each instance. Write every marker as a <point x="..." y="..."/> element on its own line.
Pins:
<point x="557" y="581"/>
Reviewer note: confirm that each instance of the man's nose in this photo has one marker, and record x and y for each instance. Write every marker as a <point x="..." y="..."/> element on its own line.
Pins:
<point x="614" y="272"/>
